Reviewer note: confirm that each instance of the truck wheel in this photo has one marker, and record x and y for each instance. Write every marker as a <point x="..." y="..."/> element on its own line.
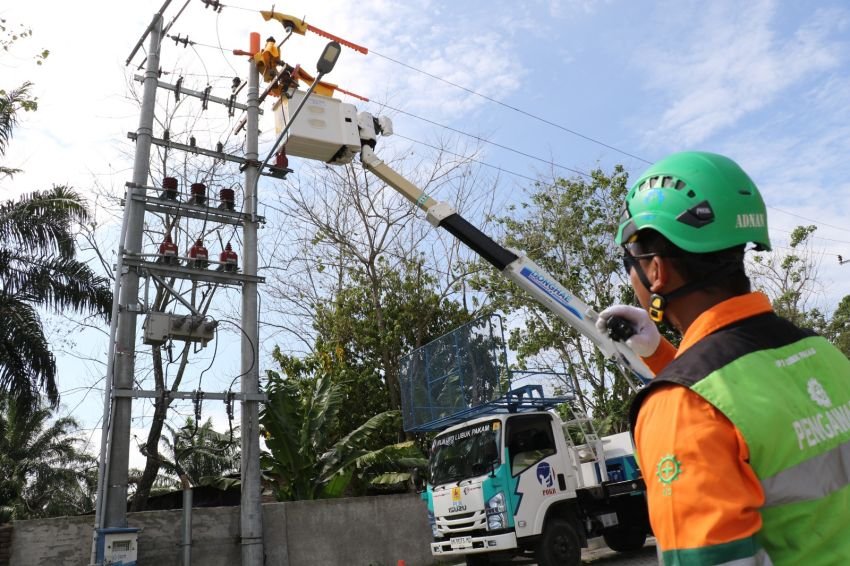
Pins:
<point x="477" y="560"/>
<point x="624" y="539"/>
<point x="559" y="545"/>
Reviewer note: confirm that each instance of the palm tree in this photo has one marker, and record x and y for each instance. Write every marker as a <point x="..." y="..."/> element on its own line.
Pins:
<point x="10" y="103"/>
<point x="199" y="454"/>
<point x="43" y="472"/>
<point x="39" y="269"/>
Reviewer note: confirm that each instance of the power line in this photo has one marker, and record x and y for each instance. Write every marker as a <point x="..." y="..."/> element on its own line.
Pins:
<point x="814" y="237"/>
<point x="520" y="175"/>
<point x="483" y="140"/>
<point x="466" y="157"/>
<point x="809" y="219"/>
<point x="514" y="108"/>
<point x="582" y="173"/>
<point x="549" y="122"/>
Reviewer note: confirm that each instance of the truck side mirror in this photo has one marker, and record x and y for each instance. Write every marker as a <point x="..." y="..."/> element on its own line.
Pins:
<point x="418" y="481"/>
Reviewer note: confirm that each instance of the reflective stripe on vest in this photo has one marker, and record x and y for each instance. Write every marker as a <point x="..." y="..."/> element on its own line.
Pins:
<point x="815" y="478"/>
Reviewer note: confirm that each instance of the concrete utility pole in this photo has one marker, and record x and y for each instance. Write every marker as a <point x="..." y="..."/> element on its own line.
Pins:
<point x="251" y="510"/>
<point x="160" y="327"/>
<point x="114" y="491"/>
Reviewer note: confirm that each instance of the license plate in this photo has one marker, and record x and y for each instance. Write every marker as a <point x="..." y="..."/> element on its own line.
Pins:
<point x="609" y="519"/>
<point x="461" y="542"/>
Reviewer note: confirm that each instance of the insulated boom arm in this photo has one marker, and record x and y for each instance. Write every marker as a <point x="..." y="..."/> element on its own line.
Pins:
<point x="518" y="268"/>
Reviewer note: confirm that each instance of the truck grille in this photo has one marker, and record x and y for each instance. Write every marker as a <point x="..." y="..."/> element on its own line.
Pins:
<point x="462" y="522"/>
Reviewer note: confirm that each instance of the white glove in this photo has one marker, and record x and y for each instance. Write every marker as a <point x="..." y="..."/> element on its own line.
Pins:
<point x="646" y="338"/>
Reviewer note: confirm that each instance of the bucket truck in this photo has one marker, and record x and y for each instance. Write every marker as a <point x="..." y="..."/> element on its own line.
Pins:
<point x="504" y="478"/>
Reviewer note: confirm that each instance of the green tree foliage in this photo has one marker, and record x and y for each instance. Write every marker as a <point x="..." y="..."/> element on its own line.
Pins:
<point x="360" y="385"/>
<point x="413" y="311"/>
<point x="838" y="329"/>
<point x="568" y="228"/>
<point x="305" y="461"/>
<point x="11" y="34"/>
<point x="364" y="331"/>
<point x="200" y="454"/>
<point x="39" y="268"/>
<point x="10" y="103"/>
<point x="789" y="278"/>
<point x="38" y="263"/>
<point x="360" y="262"/>
<point x="17" y="98"/>
<point x="43" y="470"/>
<point x="337" y="401"/>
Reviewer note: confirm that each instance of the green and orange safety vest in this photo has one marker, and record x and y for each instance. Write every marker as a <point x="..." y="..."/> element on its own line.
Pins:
<point x="744" y="442"/>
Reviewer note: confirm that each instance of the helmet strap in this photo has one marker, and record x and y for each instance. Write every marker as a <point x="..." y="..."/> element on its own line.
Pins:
<point x="658" y="302"/>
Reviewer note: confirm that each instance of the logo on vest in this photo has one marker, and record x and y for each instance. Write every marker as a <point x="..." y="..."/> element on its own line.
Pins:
<point x="825" y="425"/>
<point x="818" y="393"/>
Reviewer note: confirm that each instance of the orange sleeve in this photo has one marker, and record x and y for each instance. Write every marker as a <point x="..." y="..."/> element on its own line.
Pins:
<point x="663" y="355"/>
<point x="700" y="488"/>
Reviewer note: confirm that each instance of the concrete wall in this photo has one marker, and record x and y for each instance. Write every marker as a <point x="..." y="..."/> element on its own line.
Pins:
<point x="362" y="531"/>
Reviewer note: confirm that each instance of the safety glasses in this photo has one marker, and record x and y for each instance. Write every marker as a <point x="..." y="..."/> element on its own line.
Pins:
<point x="630" y="260"/>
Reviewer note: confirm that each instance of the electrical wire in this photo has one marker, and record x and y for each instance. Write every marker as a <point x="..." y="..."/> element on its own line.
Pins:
<point x="467" y="158"/>
<point x="505" y="105"/>
<point x="484" y="140"/>
<point x="510" y="107"/>
<point x="812" y="236"/>
<point x="582" y="173"/>
<point x="551" y="123"/>
<point x="253" y="352"/>
<point x="514" y="108"/>
<point x="811" y="220"/>
<point x="218" y="39"/>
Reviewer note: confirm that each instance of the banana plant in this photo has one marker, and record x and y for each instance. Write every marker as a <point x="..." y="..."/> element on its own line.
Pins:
<point x="305" y="462"/>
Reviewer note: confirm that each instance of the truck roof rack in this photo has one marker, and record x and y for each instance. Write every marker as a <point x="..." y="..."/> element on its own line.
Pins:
<point x="521" y="399"/>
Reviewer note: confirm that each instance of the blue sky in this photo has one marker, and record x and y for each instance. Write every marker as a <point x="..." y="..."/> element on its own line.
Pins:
<point x="765" y="82"/>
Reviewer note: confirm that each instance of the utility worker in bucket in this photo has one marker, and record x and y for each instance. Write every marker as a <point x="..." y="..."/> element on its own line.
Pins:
<point x="743" y="435"/>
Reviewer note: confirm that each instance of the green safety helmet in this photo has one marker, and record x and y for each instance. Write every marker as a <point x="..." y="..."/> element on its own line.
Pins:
<point x="701" y="202"/>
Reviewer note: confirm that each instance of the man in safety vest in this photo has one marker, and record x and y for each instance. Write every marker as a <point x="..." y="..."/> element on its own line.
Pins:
<point x="744" y="434"/>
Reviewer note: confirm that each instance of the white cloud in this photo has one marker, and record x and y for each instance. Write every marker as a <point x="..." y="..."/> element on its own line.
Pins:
<point x="566" y="8"/>
<point x="728" y="63"/>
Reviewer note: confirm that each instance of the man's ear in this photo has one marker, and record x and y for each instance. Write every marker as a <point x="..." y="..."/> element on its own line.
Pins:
<point x="659" y="273"/>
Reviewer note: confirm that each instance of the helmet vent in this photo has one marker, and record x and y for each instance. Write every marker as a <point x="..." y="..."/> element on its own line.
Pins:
<point x="664" y="182"/>
<point x="745" y="192"/>
<point x="691" y="194"/>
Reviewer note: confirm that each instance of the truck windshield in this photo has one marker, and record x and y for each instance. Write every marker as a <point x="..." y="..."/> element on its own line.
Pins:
<point x="466" y="452"/>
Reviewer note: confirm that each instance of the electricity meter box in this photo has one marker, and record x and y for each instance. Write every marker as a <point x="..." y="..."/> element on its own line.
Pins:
<point x="117" y="546"/>
<point x="325" y="129"/>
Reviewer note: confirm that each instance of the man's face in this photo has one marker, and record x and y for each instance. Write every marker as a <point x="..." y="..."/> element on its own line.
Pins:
<point x="641" y="292"/>
<point x="635" y="257"/>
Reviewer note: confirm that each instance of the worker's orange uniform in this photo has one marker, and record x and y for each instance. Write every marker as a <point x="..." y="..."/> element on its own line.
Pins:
<point x="679" y="432"/>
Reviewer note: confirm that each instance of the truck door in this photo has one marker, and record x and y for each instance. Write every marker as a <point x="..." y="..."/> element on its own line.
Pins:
<point x="530" y="448"/>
